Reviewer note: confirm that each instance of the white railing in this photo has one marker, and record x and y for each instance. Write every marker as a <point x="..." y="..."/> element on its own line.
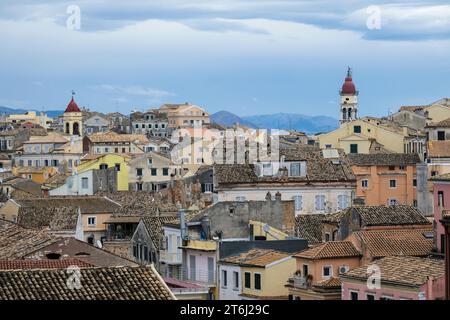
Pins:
<point x="169" y="257"/>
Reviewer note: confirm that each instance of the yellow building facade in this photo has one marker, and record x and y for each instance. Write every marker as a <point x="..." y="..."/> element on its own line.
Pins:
<point x="358" y="136"/>
<point x="105" y="161"/>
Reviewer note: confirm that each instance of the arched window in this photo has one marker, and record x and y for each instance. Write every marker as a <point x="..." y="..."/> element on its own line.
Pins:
<point x="67" y="128"/>
<point x="76" y="129"/>
<point x="344" y="113"/>
<point x="349" y="113"/>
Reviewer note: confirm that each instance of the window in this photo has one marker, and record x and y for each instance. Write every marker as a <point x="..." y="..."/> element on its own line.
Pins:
<point x="305" y="270"/>
<point x="165" y="171"/>
<point x="441" y="135"/>
<point x="150" y="161"/>
<point x="343" y="202"/>
<point x="207" y="187"/>
<point x="30" y="163"/>
<point x="84" y="183"/>
<point x="295" y="169"/>
<point x="391" y="168"/>
<point x="146" y="257"/>
<point x="370" y="296"/>
<point x="320" y="202"/>
<point x="139" y="186"/>
<point x="247" y="279"/>
<point x="393" y="183"/>
<point x="224" y="278"/>
<point x="353" y="148"/>
<point x="434" y="173"/>
<point x="91" y="221"/>
<point x="327" y="237"/>
<point x="139" y="172"/>
<point x="327" y="271"/>
<point x="153" y="171"/>
<point x="357" y="129"/>
<point x="103" y="166"/>
<point x="414" y="182"/>
<point x="298" y="200"/>
<point x="117" y="166"/>
<point x="402" y="168"/>
<point x="267" y="169"/>
<point x="235" y="280"/>
<point x="257" y="281"/>
<point x="353" y="295"/>
<point x="106" y="150"/>
<point x="393" y="202"/>
<point x="240" y="198"/>
<point x="441" y="198"/>
<point x="365" y="183"/>
<point x="328" y="146"/>
<point x="123" y="150"/>
<point x="387" y="298"/>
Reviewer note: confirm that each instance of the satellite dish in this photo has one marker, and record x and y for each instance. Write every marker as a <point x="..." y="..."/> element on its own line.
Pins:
<point x="266" y="228"/>
<point x="99" y="244"/>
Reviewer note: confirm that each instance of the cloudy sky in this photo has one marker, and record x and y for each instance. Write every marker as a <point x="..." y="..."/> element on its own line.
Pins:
<point x="245" y="56"/>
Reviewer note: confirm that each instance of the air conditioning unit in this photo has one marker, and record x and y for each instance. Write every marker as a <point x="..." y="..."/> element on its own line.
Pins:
<point x="343" y="269"/>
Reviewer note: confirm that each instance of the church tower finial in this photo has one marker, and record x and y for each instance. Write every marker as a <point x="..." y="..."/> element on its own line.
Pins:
<point x="349" y="99"/>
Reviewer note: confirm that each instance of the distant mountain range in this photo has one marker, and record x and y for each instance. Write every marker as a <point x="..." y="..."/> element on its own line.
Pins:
<point x="286" y="121"/>
<point x="9" y="110"/>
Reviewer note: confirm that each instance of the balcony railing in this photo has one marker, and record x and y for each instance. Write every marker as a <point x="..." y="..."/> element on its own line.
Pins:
<point x="302" y="282"/>
<point x="169" y="257"/>
<point x="198" y="276"/>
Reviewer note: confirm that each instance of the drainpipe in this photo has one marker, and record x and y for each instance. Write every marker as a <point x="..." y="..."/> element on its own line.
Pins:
<point x="430" y="293"/>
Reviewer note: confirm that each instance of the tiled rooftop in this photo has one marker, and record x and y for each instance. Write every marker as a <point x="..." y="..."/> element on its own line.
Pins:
<point x="117" y="283"/>
<point x="330" y="250"/>
<point x="403" y="270"/>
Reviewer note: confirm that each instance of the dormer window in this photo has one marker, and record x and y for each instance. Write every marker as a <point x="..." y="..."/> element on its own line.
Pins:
<point x="297" y="169"/>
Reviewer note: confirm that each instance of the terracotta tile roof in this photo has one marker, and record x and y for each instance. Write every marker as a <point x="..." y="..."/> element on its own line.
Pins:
<point x="16" y="241"/>
<point x="439" y="149"/>
<point x="68" y="247"/>
<point x="42" y="264"/>
<point x="383" y="243"/>
<point x="29" y="187"/>
<point x="441" y="124"/>
<point x="118" y="283"/>
<point x="442" y="177"/>
<point x="54" y="218"/>
<point x="328" y="283"/>
<point x="141" y="202"/>
<point x="256" y="257"/>
<point x="382" y="215"/>
<point x="87" y="204"/>
<point x="50" y="138"/>
<point x="318" y="168"/>
<point x="402" y="270"/>
<point x="330" y="250"/>
<point x="413" y="108"/>
<point x="384" y="159"/>
<point x="115" y="137"/>
<point x="154" y="226"/>
<point x="309" y="227"/>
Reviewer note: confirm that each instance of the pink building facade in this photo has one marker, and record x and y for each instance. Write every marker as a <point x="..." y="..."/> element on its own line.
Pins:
<point x="441" y="192"/>
<point x="358" y="290"/>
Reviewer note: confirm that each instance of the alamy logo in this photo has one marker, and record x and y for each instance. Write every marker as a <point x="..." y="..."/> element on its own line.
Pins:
<point x="73" y="282"/>
<point x="73" y="22"/>
<point x="374" y="280"/>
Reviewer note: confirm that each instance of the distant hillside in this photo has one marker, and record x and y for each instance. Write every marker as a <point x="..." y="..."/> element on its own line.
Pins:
<point x="228" y="119"/>
<point x="294" y="121"/>
<point x="9" y="110"/>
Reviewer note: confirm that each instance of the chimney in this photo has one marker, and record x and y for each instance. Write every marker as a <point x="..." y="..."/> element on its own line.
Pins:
<point x="183" y="227"/>
<point x="268" y="196"/>
<point x="358" y="201"/>
<point x="206" y="226"/>
<point x="278" y="196"/>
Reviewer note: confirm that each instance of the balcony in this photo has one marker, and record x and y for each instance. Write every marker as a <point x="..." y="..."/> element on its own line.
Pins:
<point x="170" y="257"/>
<point x="302" y="282"/>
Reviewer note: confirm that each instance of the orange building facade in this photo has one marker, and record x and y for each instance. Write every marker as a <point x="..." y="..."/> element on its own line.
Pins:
<point x="386" y="179"/>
